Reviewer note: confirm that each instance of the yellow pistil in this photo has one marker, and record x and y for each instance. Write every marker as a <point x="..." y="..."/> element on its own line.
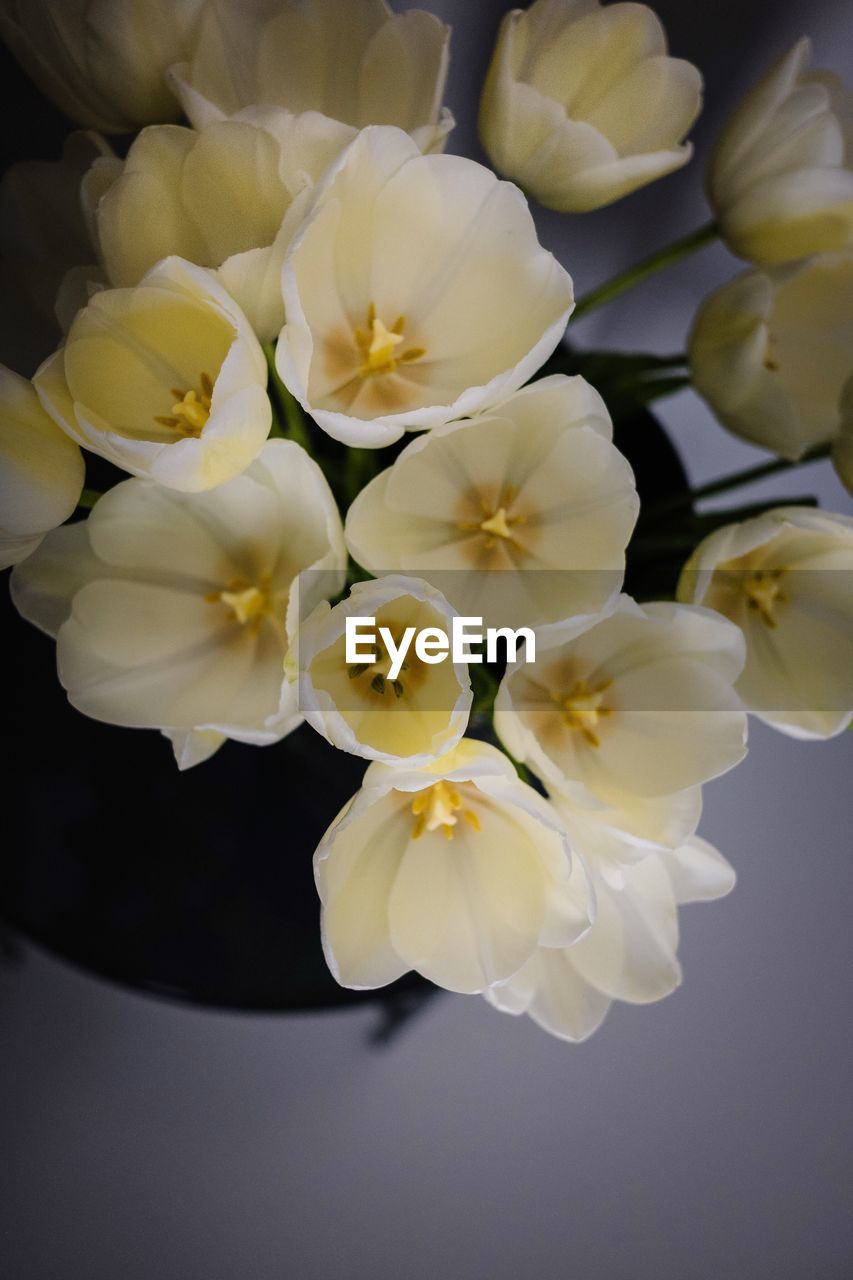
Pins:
<point x="764" y="595"/>
<point x="248" y="604"/>
<point x="191" y="409"/>
<point x="498" y="522"/>
<point x="378" y="345"/>
<point x="582" y="709"/>
<point x="437" y="808"/>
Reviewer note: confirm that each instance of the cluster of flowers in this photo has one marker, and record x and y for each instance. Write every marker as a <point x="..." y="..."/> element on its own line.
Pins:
<point x="304" y="247"/>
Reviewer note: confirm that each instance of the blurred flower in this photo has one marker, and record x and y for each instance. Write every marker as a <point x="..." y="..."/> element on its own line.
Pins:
<point x="185" y="193"/>
<point x="785" y="579"/>
<point x="629" y="954"/>
<point x="771" y="352"/>
<point x="457" y="870"/>
<point x="412" y="716"/>
<point x="635" y="702"/>
<point x="41" y="470"/>
<point x="165" y="380"/>
<point x="354" y="61"/>
<point x="534" y="485"/>
<point x="103" y="62"/>
<point x="174" y="612"/>
<point x="581" y="104"/>
<point x="781" y="176"/>
<point x="417" y="293"/>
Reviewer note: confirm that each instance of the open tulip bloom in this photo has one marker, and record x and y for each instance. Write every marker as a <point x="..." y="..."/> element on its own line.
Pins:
<point x="290" y="445"/>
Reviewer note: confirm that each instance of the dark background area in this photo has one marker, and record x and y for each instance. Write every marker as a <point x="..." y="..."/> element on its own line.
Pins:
<point x="707" y="1136"/>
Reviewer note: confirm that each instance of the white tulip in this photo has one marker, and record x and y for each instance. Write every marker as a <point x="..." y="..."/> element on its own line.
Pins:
<point x="103" y="62"/>
<point x="772" y="351"/>
<point x="534" y="485"/>
<point x="781" y="176"/>
<point x="175" y="612"/>
<point x="785" y="579"/>
<point x="458" y="870"/>
<point x="41" y="471"/>
<point x="416" y="293"/>
<point x="629" y="954"/>
<point x="635" y="702"/>
<point x="411" y="716"/>
<point x="182" y="192"/>
<point x="165" y="380"/>
<point x="582" y="105"/>
<point x="355" y="62"/>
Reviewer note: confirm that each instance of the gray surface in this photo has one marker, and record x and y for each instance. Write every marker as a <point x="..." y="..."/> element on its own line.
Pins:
<point x="706" y="1136"/>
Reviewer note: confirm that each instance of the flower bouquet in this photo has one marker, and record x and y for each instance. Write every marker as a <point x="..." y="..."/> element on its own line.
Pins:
<point x="309" y="463"/>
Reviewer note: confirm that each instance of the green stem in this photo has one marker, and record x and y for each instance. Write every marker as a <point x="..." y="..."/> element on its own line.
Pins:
<point x="643" y="270"/>
<point x="682" y="501"/>
<point x="88" y="498"/>
<point x="288" y="410"/>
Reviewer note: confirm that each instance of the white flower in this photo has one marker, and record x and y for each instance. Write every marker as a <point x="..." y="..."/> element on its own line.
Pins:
<point x="629" y="954"/>
<point x="411" y="716"/>
<point x="781" y="176"/>
<point x="457" y="870"/>
<point x="785" y="579"/>
<point x="174" y="612"/>
<point x="227" y="197"/>
<point x="534" y="485"/>
<point x="353" y="61"/>
<point x="41" y="471"/>
<point x="103" y="62"/>
<point x="636" y="702"/>
<point x="416" y="293"/>
<point x="582" y="105"/>
<point x="166" y="380"/>
<point x="772" y="351"/>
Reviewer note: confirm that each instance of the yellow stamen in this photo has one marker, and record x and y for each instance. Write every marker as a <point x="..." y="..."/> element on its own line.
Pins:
<point x="248" y="604"/>
<point x="764" y="594"/>
<point x="582" y="709"/>
<point x="378" y="345"/>
<point x="497" y="524"/>
<point x="191" y="409"/>
<point x="436" y="809"/>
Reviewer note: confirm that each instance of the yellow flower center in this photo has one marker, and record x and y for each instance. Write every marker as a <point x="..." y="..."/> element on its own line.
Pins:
<point x="582" y="709"/>
<point x="191" y="409"/>
<point x="379" y="345"/>
<point x="498" y="522"/>
<point x="247" y="603"/>
<point x="764" y="595"/>
<point x="437" y="808"/>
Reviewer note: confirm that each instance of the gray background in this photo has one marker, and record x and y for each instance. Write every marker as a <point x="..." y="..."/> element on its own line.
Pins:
<point x="705" y="1136"/>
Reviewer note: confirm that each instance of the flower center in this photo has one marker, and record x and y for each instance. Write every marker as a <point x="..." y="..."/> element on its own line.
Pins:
<point x="379" y="345"/>
<point x="764" y="595"/>
<point x="582" y="709"/>
<point x="497" y="523"/>
<point x="247" y="603"/>
<point x="437" y="808"/>
<point x="191" y="409"/>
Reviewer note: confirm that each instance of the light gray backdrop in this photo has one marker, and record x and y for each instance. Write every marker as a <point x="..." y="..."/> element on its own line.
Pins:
<point x="704" y="1138"/>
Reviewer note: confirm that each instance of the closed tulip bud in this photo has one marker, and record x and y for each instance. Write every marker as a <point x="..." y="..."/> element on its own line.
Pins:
<point x="582" y="105"/>
<point x="103" y="62"/>
<point x="41" y="470"/>
<point x="772" y="351"/>
<point x="781" y="176"/>
<point x="457" y="870"/>
<point x="785" y="579"/>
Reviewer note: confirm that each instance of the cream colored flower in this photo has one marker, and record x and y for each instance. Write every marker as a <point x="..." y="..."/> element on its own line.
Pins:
<point x="353" y="61"/>
<point x="416" y="293"/>
<point x="629" y="954"/>
<point x="781" y="176"/>
<point x="166" y="380"/>
<point x="103" y="62"/>
<point x="412" y="715"/>
<point x="174" y="612"/>
<point x="582" y="105"/>
<point x="41" y="471"/>
<point x="785" y="578"/>
<point x="228" y="197"/>
<point x="635" y="702"/>
<point x="533" y="485"/>
<point x="772" y="351"/>
<point x="457" y="870"/>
